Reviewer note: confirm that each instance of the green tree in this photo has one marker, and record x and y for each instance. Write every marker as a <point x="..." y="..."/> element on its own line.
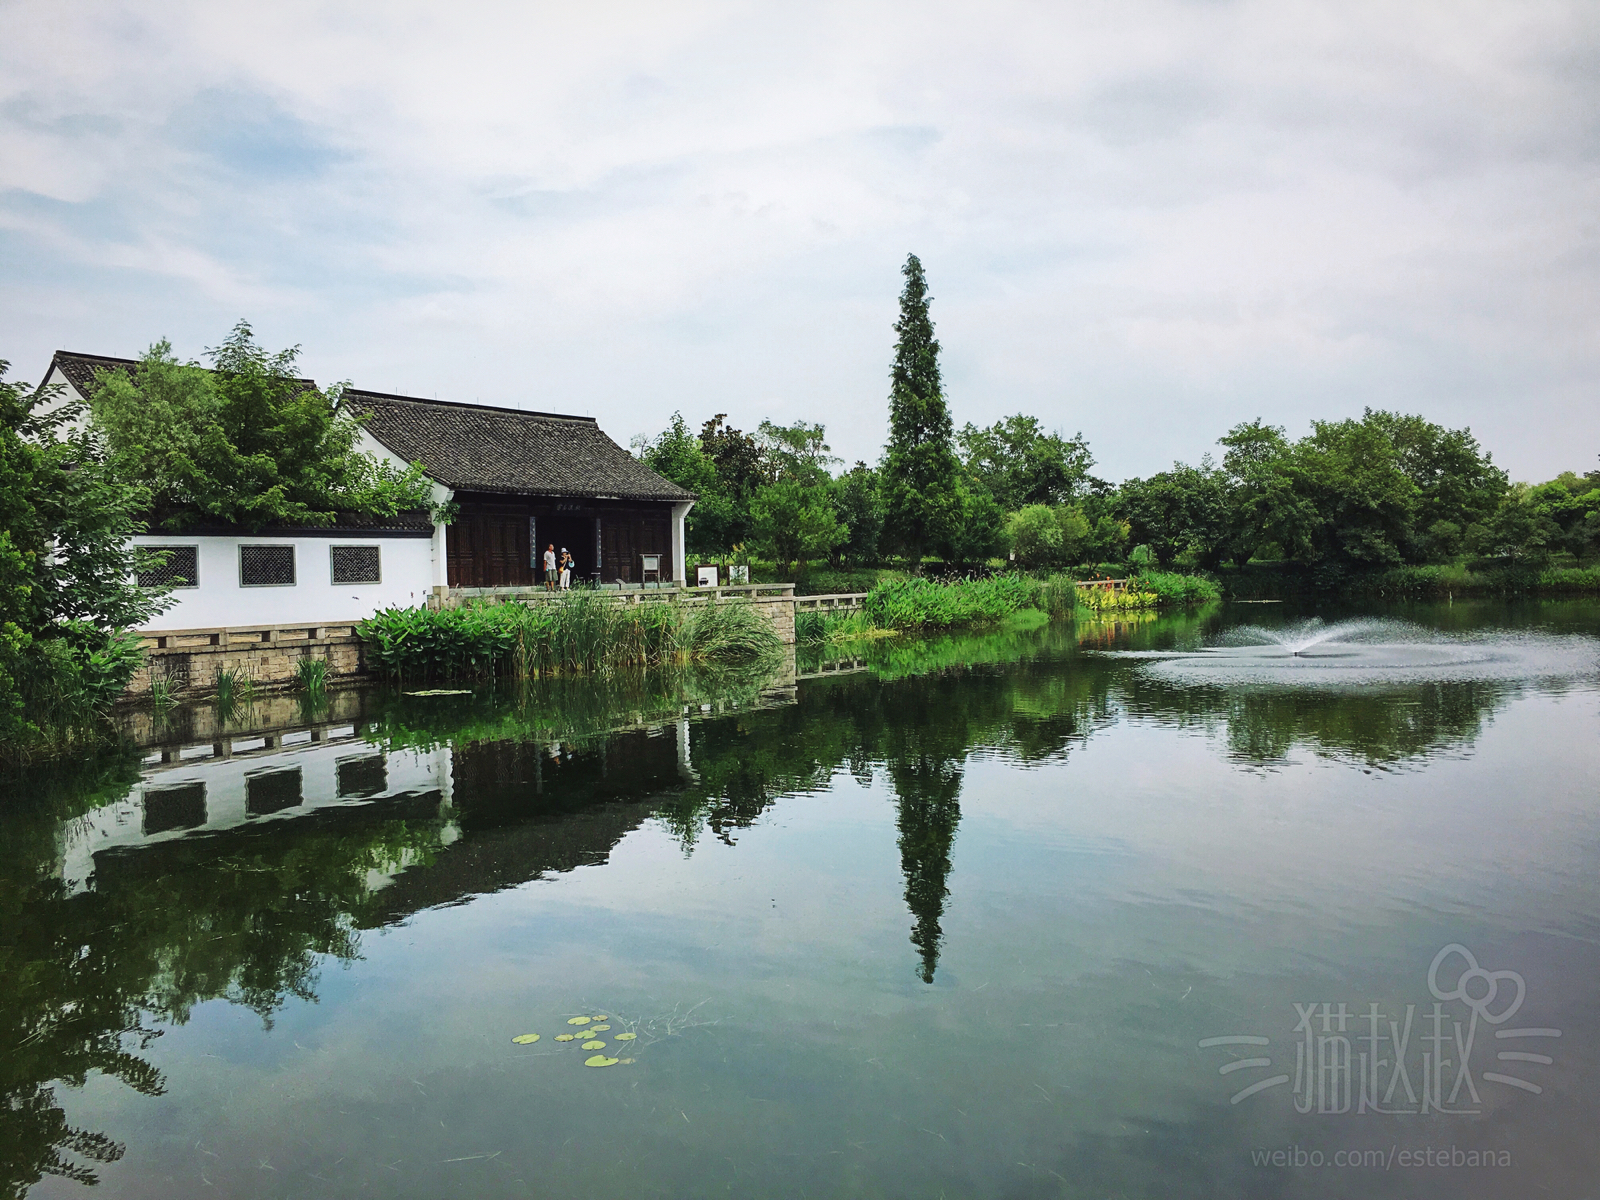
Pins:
<point x="793" y="522"/>
<point x="798" y="451"/>
<point x="1020" y="464"/>
<point x="678" y="455"/>
<point x="1458" y="486"/>
<point x="858" y="504"/>
<point x="1181" y="511"/>
<point x="247" y="442"/>
<point x="1044" y="536"/>
<point x="1571" y="504"/>
<point x="922" y="498"/>
<point x="742" y="468"/>
<point x="67" y="567"/>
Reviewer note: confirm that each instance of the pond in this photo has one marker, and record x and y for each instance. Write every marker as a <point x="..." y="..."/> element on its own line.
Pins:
<point x="1242" y="902"/>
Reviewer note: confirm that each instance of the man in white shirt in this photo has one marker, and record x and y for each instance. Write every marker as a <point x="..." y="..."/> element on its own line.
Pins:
<point x="550" y="568"/>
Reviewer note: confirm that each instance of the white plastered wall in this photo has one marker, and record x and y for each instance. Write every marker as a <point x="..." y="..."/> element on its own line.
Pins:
<point x="441" y="496"/>
<point x="679" y="512"/>
<point x="220" y="601"/>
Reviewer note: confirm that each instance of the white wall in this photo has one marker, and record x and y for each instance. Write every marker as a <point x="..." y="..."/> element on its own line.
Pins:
<point x="442" y="495"/>
<point x="219" y="600"/>
<point x="679" y="512"/>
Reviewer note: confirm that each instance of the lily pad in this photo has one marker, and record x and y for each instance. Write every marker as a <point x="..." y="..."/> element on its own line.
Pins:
<point x="600" y="1060"/>
<point x="524" y="1039"/>
<point x="597" y="1044"/>
<point x="626" y="1037"/>
<point x="579" y="1020"/>
<point x="598" y="1028"/>
<point x="602" y="1017"/>
<point x="566" y="1037"/>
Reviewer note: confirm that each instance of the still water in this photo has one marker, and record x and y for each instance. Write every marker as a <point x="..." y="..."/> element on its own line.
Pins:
<point x="1231" y="903"/>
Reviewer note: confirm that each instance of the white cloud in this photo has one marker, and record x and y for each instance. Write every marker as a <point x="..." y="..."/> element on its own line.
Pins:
<point x="1147" y="220"/>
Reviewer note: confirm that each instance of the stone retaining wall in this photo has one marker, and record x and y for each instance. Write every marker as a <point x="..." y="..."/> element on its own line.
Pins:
<point x="189" y="660"/>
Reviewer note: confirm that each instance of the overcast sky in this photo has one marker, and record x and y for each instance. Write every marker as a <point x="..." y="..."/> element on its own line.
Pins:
<point x="1147" y="221"/>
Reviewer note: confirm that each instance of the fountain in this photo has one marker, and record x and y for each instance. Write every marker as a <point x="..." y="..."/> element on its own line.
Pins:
<point x="1368" y="651"/>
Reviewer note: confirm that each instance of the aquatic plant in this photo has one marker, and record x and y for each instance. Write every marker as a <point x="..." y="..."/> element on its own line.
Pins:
<point x="926" y="604"/>
<point x="311" y="674"/>
<point x="585" y="631"/>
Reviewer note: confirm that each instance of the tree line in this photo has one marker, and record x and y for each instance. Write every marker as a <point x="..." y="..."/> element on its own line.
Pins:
<point x="1362" y="493"/>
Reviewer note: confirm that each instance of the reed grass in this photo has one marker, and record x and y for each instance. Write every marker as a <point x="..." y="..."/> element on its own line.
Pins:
<point x="584" y="632"/>
<point x="311" y="674"/>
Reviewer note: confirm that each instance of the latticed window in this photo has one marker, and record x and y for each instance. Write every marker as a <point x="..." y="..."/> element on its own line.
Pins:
<point x="355" y="564"/>
<point x="181" y="569"/>
<point x="266" y="566"/>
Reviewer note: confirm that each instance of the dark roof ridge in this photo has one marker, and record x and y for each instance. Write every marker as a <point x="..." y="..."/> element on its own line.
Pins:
<point x="124" y="363"/>
<point x="494" y="408"/>
<point x="110" y="358"/>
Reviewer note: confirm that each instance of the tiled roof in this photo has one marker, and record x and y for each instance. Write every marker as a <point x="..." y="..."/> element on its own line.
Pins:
<point x="481" y="448"/>
<point x="80" y="368"/>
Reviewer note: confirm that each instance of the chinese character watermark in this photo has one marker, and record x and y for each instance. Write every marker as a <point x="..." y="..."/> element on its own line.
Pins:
<point x="1365" y="1060"/>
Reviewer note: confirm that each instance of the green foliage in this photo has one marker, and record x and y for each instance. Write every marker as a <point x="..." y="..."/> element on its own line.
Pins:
<point x="794" y="521"/>
<point x="1570" y="504"/>
<point x="741" y="468"/>
<point x="923" y="503"/>
<point x="1021" y="465"/>
<point x="585" y="631"/>
<point x="922" y="603"/>
<point x="1178" y="512"/>
<point x="1355" y="495"/>
<point x="799" y="451"/>
<point x="974" y="529"/>
<point x="1459" y="580"/>
<point x="311" y="674"/>
<point x="66" y="568"/>
<point x="858" y="504"/>
<point x="677" y="455"/>
<point x="247" y="442"/>
<point x="1169" y="587"/>
<point x="1046" y="536"/>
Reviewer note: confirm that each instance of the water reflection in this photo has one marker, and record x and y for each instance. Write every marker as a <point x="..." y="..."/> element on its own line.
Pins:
<point x="248" y="855"/>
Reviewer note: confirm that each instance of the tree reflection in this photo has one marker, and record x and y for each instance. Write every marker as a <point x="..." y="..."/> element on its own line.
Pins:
<point x="248" y="917"/>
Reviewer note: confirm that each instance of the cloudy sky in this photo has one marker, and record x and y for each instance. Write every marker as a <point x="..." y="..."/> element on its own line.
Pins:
<point x="1147" y="221"/>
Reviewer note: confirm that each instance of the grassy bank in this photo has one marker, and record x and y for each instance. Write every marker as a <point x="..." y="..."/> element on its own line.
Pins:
<point x="1437" y="581"/>
<point x="586" y="632"/>
<point x="1459" y="580"/>
<point x="907" y="605"/>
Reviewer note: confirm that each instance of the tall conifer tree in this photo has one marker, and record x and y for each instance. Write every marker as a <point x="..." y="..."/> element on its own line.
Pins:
<point x="921" y="474"/>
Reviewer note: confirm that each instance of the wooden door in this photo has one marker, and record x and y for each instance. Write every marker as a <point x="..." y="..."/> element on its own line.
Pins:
<point x="489" y="549"/>
<point x="617" y="550"/>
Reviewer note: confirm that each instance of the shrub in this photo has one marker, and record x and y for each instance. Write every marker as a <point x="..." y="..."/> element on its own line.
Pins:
<point x="1043" y="535"/>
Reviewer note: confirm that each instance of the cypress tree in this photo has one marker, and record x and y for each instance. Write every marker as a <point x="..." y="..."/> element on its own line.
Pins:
<point x="921" y="474"/>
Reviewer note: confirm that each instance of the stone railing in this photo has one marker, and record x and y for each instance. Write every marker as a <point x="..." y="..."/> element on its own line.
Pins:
<point x="188" y="660"/>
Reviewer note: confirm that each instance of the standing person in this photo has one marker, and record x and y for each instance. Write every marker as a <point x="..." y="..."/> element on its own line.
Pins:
<point x="567" y="563"/>
<point x="550" y="567"/>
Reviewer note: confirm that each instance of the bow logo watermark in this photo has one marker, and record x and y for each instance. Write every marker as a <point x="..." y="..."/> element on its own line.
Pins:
<point x="1372" y="1061"/>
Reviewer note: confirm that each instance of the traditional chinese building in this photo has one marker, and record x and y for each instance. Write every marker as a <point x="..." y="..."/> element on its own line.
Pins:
<point x="518" y="481"/>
